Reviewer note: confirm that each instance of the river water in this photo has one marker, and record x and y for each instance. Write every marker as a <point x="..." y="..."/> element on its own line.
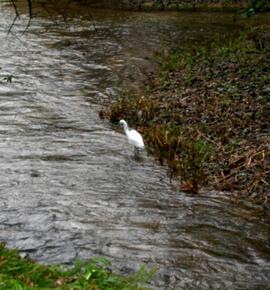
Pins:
<point x="69" y="185"/>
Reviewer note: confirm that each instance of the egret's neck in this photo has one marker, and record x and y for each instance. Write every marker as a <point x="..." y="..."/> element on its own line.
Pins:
<point x="126" y="129"/>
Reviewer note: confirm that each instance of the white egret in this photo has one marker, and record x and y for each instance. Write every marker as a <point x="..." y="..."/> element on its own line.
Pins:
<point x="134" y="137"/>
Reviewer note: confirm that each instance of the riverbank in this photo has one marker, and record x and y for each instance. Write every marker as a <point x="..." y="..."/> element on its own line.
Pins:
<point x="206" y="116"/>
<point x="19" y="273"/>
<point x="180" y="5"/>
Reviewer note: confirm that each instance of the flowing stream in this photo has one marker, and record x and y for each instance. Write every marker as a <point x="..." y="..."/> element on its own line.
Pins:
<point x="69" y="185"/>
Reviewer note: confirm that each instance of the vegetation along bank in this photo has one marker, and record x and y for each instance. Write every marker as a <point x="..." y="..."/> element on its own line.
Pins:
<point x="23" y="274"/>
<point x="206" y="116"/>
<point x="151" y="5"/>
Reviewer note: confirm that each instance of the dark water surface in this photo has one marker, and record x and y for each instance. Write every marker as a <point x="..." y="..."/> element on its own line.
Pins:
<point x="69" y="185"/>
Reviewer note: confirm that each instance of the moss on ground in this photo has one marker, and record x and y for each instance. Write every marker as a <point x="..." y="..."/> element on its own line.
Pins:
<point x="207" y="115"/>
<point x="23" y="274"/>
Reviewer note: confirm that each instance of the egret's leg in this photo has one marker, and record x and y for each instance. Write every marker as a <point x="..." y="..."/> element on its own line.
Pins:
<point x="137" y="153"/>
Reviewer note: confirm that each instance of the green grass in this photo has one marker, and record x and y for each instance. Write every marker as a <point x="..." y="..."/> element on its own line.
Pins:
<point x="17" y="273"/>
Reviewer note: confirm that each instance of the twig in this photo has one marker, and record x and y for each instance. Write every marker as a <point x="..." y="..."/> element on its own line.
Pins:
<point x="15" y="8"/>
<point x="206" y="138"/>
<point x="230" y="175"/>
<point x="13" y="23"/>
<point x="30" y="15"/>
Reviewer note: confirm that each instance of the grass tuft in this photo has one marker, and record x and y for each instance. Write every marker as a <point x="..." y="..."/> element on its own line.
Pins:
<point x="23" y="274"/>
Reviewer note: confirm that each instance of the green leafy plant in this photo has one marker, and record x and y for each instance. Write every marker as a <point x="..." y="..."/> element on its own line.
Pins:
<point x="23" y="274"/>
<point x="8" y="78"/>
<point x="255" y="7"/>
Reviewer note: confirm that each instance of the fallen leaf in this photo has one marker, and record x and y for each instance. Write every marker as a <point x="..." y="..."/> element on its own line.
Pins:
<point x="189" y="186"/>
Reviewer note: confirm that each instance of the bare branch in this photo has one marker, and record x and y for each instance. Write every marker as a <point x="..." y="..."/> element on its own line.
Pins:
<point x="15" y="8"/>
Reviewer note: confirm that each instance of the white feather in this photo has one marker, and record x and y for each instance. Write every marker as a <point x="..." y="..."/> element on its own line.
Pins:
<point x="134" y="137"/>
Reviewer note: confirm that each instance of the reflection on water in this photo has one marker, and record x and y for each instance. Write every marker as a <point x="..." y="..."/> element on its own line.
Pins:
<point x="69" y="185"/>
